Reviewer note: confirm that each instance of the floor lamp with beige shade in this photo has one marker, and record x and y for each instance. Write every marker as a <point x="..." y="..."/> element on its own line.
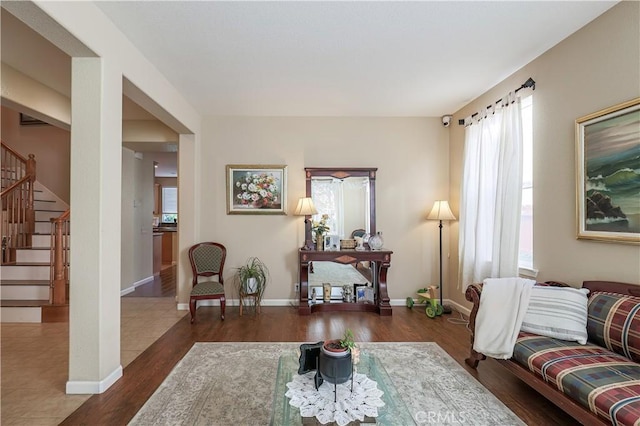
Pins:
<point x="441" y="211"/>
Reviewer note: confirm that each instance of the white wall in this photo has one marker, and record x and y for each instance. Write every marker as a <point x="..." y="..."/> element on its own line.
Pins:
<point x="137" y="215"/>
<point x="411" y="155"/>
<point x="596" y="67"/>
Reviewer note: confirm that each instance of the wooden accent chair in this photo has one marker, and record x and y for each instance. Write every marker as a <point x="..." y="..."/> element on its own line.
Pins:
<point x="207" y="260"/>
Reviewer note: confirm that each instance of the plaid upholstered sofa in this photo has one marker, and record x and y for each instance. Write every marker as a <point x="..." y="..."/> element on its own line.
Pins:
<point x="596" y="383"/>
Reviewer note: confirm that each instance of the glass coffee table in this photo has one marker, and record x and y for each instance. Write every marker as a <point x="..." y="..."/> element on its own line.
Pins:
<point x="394" y="412"/>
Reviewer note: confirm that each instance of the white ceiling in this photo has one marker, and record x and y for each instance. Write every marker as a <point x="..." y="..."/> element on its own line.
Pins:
<point x="318" y="58"/>
<point x="343" y="58"/>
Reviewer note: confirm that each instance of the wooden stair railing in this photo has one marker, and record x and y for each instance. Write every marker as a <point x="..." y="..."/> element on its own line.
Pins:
<point x="59" y="276"/>
<point x="17" y="225"/>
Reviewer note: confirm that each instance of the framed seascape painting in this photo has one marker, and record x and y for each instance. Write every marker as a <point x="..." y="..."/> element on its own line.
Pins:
<point x="608" y="174"/>
<point x="256" y="189"/>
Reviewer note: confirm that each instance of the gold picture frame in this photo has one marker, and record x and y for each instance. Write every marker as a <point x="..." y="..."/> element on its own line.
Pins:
<point x="256" y="189"/>
<point x="607" y="174"/>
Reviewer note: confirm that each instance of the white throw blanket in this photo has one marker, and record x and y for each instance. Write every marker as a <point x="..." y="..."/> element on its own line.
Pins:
<point x="503" y="304"/>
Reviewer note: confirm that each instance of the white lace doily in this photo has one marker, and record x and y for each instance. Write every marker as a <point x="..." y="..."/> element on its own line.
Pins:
<point x="364" y="401"/>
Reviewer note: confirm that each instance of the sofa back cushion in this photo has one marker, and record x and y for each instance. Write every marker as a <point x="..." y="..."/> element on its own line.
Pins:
<point x="614" y="323"/>
<point x="558" y="312"/>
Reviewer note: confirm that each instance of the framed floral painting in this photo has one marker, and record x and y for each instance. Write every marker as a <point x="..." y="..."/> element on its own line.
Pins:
<point x="256" y="189"/>
<point x="608" y="174"/>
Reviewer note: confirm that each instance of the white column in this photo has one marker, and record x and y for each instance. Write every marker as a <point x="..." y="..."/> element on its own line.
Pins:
<point x="96" y="140"/>
<point x="188" y="215"/>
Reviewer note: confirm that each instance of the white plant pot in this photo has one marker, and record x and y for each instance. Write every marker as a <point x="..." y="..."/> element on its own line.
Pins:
<point x="251" y="285"/>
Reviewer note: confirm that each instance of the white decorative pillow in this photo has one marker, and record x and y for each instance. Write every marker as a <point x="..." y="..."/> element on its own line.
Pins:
<point x="558" y="312"/>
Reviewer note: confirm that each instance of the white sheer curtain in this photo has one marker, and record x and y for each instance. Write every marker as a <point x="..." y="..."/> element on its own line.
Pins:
<point x="328" y="199"/>
<point x="491" y="195"/>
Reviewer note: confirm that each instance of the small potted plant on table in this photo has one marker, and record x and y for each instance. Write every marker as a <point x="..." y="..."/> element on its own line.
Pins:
<point x="335" y="362"/>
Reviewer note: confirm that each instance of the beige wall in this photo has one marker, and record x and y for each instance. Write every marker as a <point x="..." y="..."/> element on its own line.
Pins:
<point x="167" y="181"/>
<point x="50" y="145"/>
<point x="25" y="94"/>
<point x="597" y="67"/>
<point x="412" y="159"/>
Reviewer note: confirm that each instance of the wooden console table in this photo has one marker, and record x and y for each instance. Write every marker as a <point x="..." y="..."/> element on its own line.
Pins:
<point x="380" y="261"/>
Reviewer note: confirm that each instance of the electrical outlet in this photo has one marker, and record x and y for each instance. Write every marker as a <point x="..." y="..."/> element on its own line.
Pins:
<point x="296" y="286"/>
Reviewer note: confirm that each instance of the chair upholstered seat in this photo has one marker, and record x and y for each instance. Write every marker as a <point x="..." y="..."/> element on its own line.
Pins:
<point x="207" y="288"/>
<point x="207" y="261"/>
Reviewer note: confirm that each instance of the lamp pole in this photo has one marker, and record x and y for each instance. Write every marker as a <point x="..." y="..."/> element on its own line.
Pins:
<point x="440" y="212"/>
<point x="445" y="309"/>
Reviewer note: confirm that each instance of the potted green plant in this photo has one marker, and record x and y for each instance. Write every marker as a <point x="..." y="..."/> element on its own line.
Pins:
<point x="335" y="359"/>
<point x="253" y="276"/>
<point x="339" y="347"/>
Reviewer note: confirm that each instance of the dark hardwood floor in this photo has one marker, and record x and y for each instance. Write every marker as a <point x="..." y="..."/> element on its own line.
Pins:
<point x="283" y="324"/>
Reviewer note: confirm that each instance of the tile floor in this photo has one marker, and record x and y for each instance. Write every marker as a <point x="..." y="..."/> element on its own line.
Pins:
<point x="35" y="360"/>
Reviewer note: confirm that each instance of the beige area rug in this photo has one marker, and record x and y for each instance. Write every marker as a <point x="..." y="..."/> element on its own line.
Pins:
<point x="335" y="273"/>
<point x="234" y="383"/>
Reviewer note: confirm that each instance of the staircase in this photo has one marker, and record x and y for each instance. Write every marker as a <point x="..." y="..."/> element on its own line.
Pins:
<point x="25" y="286"/>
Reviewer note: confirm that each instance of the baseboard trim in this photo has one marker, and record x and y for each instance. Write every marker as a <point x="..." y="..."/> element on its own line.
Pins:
<point x="131" y="289"/>
<point x="236" y="302"/>
<point x="458" y="307"/>
<point x="294" y="302"/>
<point x="92" y="387"/>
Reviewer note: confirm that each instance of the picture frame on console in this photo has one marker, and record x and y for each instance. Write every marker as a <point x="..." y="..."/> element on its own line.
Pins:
<point x="256" y="189"/>
<point x="359" y="292"/>
<point x="331" y="242"/>
<point x="607" y="178"/>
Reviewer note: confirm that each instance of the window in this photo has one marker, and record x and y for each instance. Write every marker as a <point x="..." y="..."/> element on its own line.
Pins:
<point x="525" y="258"/>
<point x="169" y="205"/>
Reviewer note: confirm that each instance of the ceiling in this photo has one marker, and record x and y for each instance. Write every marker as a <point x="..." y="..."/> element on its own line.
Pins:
<point x="317" y="58"/>
<point x="343" y="58"/>
<point x="321" y="58"/>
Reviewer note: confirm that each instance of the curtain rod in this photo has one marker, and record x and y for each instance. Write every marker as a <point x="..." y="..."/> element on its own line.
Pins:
<point x="529" y="83"/>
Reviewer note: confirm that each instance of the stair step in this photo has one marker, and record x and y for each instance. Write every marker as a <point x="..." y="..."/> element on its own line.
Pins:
<point x="35" y="247"/>
<point x="11" y="290"/>
<point x="43" y="204"/>
<point x="46" y="215"/>
<point x="35" y="254"/>
<point x="33" y="311"/>
<point x="41" y="241"/>
<point x="23" y="303"/>
<point x="26" y="271"/>
<point x="22" y="282"/>
<point x="21" y="314"/>
<point x="43" y="227"/>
